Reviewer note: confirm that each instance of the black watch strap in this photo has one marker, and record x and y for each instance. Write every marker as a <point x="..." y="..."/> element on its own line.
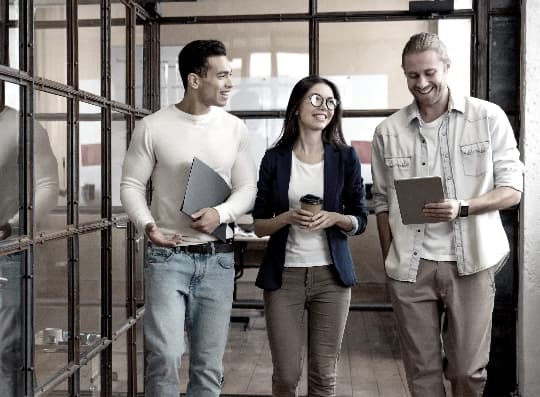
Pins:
<point x="463" y="209"/>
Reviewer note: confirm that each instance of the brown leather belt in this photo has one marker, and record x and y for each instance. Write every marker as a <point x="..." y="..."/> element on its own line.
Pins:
<point x="209" y="248"/>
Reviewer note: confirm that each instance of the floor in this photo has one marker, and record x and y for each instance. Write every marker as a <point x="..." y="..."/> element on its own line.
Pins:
<point x="369" y="366"/>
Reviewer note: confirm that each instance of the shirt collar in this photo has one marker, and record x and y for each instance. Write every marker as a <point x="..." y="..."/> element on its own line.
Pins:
<point x="456" y="103"/>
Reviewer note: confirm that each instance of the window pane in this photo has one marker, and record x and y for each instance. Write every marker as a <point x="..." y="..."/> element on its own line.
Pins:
<point x="50" y="52"/>
<point x="11" y="334"/>
<point x="10" y="164"/>
<point x="91" y="378"/>
<point x="263" y="133"/>
<point x="118" y="152"/>
<point x="362" y="5"/>
<point x="376" y="5"/>
<point x="50" y="309"/>
<point x="232" y="7"/>
<point x="358" y="133"/>
<point x="90" y="48"/>
<point x="11" y="58"/>
<point x="366" y="65"/>
<point x="90" y="289"/>
<point x="119" y="264"/>
<point x="139" y="45"/>
<point x="266" y="63"/>
<point x="50" y="158"/>
<point x="118" y="53"/>
<point x="120" y="366"/>
<point x="89" y="163"/>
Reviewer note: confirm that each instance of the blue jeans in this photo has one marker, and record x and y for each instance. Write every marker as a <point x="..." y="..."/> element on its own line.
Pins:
<point x="10" y="327"/>
<point x="199" y="289"/>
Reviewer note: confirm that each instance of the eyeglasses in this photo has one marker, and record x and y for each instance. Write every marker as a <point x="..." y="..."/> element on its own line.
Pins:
<point x="317" y="100"/>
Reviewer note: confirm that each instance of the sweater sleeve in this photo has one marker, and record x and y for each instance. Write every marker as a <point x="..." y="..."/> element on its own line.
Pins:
<point x="136" y="171"/>
<point x="45" y="175"/>
<point x="243" y="181"/>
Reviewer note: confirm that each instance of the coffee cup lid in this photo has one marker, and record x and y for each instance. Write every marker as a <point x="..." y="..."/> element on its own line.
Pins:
<point x="311" y="199"/>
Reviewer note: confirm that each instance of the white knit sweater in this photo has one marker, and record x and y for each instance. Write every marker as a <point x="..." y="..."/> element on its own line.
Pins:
<point x="162" y="148"/>
<point x="45" y="171"/>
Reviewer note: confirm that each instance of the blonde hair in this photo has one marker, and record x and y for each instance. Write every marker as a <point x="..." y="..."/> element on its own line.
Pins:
<point x="425" y="41"/>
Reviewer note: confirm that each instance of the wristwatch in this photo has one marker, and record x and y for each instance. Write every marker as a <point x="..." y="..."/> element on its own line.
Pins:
<point x="463" y="211"/>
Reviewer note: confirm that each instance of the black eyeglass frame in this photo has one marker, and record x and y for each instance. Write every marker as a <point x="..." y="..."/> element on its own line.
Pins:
<point x="317" y="100"/>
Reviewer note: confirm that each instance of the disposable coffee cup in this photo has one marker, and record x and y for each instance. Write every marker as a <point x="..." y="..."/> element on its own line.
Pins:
<point x="311" y="203"/>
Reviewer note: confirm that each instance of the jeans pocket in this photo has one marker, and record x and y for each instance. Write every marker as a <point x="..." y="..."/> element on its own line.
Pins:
<point x="226" y="261"/>
<point x="158" y="254"/>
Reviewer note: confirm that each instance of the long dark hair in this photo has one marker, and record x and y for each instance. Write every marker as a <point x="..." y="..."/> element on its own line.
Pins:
<point x="332" y="134"/>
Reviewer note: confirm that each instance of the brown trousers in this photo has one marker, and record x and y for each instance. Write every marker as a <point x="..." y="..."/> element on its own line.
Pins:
<point x="312" y="300"/>
<point x="444" y="323"/>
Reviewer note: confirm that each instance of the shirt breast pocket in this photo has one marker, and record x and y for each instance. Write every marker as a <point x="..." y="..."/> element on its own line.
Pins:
<point x="476" y="158"/>
<point x="399" y="166"/>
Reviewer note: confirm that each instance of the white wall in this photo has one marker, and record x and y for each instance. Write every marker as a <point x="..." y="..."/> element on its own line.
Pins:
<point x="529" y="297"/>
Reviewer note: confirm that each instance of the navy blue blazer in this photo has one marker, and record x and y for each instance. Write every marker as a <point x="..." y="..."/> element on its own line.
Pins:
<point x="343" y="193"/>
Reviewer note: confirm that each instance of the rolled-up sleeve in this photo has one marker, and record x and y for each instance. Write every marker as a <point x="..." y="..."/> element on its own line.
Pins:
<point x="379" y="188"/>
<point x="354" y="194"/>
<point x="507" y="166"/>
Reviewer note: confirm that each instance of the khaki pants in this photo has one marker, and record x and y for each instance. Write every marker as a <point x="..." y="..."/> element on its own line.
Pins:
<point x="310" y="300"/>
<point x="443" y="312"/>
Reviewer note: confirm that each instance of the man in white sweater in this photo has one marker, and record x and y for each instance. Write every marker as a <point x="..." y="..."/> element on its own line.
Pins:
<point x="45" y="199"/>
<point x="189" y="275"/>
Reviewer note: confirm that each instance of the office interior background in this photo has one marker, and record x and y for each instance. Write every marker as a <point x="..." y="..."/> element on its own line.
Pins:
<point x="86" y="70"/>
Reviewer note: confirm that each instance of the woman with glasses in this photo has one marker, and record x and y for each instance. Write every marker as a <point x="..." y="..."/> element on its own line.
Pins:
<point x="307" y="270"/>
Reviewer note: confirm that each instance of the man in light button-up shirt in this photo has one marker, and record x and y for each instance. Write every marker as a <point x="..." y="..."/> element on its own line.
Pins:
<point x="441" y="274"/>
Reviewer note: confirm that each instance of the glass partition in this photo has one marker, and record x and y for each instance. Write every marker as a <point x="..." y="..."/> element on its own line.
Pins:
<point x="376" y="5"/>
<point x="11" y="326"/>
<point x="89" y="163"/>
<point x="118" y="53"/>
<point x="90" y="51"/>
<point x="118" y="152"/>
<point x="139" y="67"/>
<point x="50" y="36"/>
<point x="232" y="7"/>
<point x="12" y="46"/>
<point x="10" y="160"/>
<point x="119" y="292"/>
<point x="50" y="159"/>
<point x="50" y="309"/>
<point x="358" y="133"/>
<point x="90" y="290"/>
<point x="120" y="366"/>
<point x="263" y="134"/>
<point x="266" y="63"/>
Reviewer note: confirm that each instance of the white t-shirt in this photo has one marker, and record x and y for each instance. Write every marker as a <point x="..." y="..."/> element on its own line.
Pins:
<point x="439" y="237"/>
<point x="306" y="248"/>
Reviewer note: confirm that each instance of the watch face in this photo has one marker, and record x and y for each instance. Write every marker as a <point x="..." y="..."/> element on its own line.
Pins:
<point x="464" y="210"/>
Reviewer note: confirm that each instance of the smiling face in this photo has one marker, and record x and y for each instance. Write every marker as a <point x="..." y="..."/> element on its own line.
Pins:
<point x="214" y="88"/>
<point x="315" y="118"/>
<point x="426" y="77"/>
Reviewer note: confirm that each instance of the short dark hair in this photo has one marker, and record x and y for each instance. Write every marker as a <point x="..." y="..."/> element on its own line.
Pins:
<point x="425" y="41"/>
<point x="193" y="58"/>
<point x="332" y="134"/>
